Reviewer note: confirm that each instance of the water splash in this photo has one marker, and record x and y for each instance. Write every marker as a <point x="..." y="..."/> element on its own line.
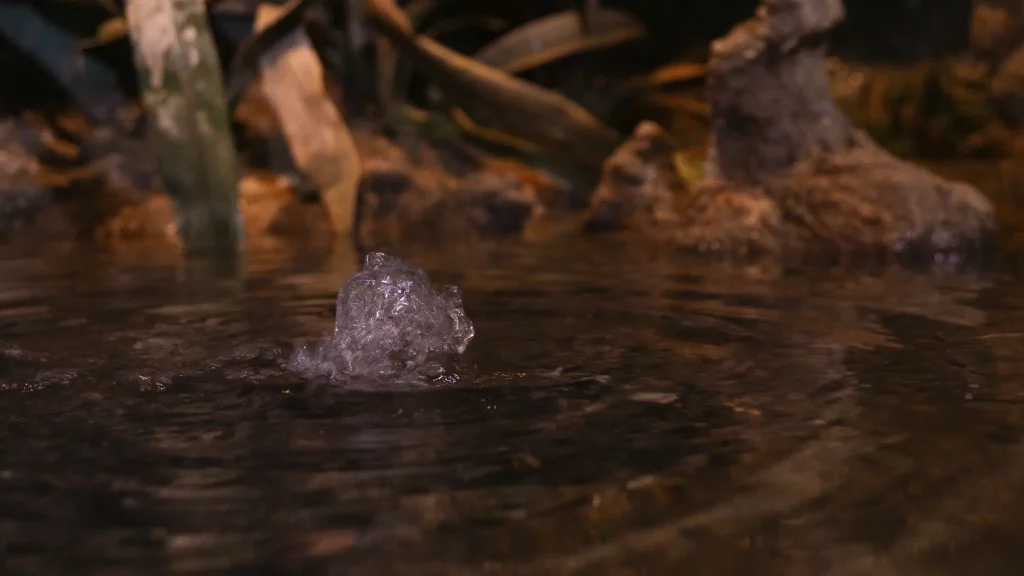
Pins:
<point x="391" y="326"/>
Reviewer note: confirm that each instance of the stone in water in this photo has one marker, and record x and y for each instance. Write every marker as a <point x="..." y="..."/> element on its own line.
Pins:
<point x="391" y="326"/>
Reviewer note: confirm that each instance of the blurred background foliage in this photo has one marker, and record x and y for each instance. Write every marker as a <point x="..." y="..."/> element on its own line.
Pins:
<point x="603" y="76"/>
<point x="580" y="74"/>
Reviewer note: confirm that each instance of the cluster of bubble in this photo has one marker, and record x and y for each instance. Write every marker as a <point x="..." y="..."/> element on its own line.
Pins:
<point x="391" y="325"/>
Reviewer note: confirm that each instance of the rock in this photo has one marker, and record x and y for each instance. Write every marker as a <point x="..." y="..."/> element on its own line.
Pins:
<point x="639" y="186"/>
<point x="741" y="221"/>
<point x="124" y="155"/>
<point x="415" y="190"/>
<point x="150" y="220"/>
<point x="494" y="203"/>
<point x="22" y="193"/>
<point x="864" y="201"/>
<point x="1007" y="86"/>
<point x="271" y="208"/>
<point x="778" y="138"/>
<point x="397" y="194"/>
<point x="995" y="28"/>
<point x="109" y="188"/>
<point x="787" y="176"/>
<point x="91" y="182"/>
<point x="771" y="101"/>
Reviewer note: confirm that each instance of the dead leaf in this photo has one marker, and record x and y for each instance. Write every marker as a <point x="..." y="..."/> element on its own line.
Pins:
<point x="680" y="103"/>
<point x="331" y="542"/>
<point x="246" y="62"/>
<point x="557" y="36"/>
<point x="676" y="73"/>
<point x="494" y="97"/>
<point x="108" y="32"/>
<point x="318" y="138"/>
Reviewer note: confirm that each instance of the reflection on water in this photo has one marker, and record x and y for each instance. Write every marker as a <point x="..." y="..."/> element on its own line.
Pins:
<point x="618" y="415"/>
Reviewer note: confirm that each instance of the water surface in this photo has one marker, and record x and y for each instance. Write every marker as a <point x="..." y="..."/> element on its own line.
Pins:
<point x="620" y="413"/>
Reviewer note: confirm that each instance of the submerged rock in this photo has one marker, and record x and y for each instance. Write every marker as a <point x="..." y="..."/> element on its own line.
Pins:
<point x="391" y="326"/>
<point x="787" y="174"/>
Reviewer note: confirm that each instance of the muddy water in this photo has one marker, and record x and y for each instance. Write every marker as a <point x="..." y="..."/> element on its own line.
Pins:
<point x="619" y="413"/>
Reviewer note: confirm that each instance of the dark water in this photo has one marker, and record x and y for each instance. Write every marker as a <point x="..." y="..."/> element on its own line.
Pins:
<point x="620" y="414"/>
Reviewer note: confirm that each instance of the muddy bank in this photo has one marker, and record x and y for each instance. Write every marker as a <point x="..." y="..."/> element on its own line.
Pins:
<point x="413" y="189"/>
<point x="788" y="177"/>
<point x="22" y="195"/>
<point x="964" y="104"/>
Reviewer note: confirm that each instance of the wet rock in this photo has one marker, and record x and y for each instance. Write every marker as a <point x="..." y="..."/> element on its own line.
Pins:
<point x="417" y="190"/>
<point x="770" y="96"/>
<point x="22" y="193"/>
<point x="997" y="41"/>
<point x="396" y="193"/>
<point x="1007" y="87"/>
<point x="412" y="188"/>
<point x="126" y="160"/>
<point x="639" y="186"/>
<point x="493" y="203"/>
<point x="268" y="203"/>
<point x="92" y="182"/>
<point x="744" y="222"/>
<point x="778" y="137"/>
<point x="110" y="190"/>
<point x="787" y="176"/>
<point x="995" y="28"/>
<point x="271" y="206"/>
<point x="865" y="199"/>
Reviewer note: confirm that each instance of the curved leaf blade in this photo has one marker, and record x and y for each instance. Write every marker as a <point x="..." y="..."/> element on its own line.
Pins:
<point x="676" y="73"/>
<point x="557" y="36"/>
<point x="245" y="64"/>
<point x="392" y="76"/>
<point x="496" y="98"/>
<point x="109" y="31"/>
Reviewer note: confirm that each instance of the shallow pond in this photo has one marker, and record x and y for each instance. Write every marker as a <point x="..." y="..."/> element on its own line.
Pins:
<point x="618" y="414"/>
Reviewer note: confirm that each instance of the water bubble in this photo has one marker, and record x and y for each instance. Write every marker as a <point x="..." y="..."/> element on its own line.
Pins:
<point x="391" y="325"/>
